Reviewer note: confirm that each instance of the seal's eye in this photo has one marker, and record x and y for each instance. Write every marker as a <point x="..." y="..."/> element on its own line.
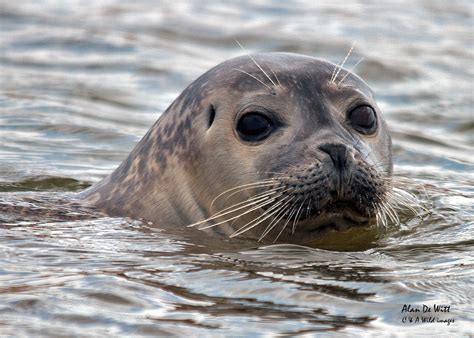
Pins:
<point x="254" y="127"/>
<point x="363" y="119"/>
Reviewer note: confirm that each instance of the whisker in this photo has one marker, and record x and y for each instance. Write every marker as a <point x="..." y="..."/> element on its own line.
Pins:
<point x="274" y="189"/>
<point x="221" y="213"/>
<point x="308" y="208"/>
<point x="250" y="185"/>
<point x="388" y="215"/>
<point x="297" y="217"/>
<point x="283" y="209"/>
<point x="266" y="202"/>
<point x="265" y="199"/>
<point x="379" y="218"/>
<point x="251" y="58"/>
<point x="383" y="217"/>
<point x="383" y="210"/>
<point x="279" y="84"/>
<point x="333" y="79"/>
<point x="238" y="206"/>
<point x="409" y="198"/>
<point x="394" y="214"/>
<point x="380" y="214"/>
<point x="334" y="72"/>
<point x="398" y="201"/>
<point x="292" y="211"/>
<point x="259" y="219"/>
<point x="401" y="199"/>
<point x="256" y="78"/>
<point x="350" y="70"/>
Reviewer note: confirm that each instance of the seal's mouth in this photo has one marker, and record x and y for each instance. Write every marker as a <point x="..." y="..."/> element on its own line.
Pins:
<point x="349" y="210"/>
<point x="333" y="215"/>
<point x="337" y="216"/>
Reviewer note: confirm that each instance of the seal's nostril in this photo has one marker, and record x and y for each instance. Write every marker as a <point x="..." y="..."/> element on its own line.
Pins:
<point x="337" y="152"/>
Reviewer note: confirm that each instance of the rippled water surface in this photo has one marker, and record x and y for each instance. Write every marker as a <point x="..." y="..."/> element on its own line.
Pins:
<point x="80" y="84"/>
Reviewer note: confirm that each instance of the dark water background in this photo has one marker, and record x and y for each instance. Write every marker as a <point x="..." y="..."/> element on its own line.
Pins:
<point x="81" y="82"/>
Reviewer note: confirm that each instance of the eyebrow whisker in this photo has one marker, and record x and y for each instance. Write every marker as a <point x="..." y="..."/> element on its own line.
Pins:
<point x="251" y="58"/>
<point x="252" y="76"/>
<point x="350" y="70"/>
<point x="333" y="79"/>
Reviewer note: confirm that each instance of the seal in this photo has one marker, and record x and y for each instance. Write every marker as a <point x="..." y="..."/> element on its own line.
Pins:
<point x="271" y="146"/>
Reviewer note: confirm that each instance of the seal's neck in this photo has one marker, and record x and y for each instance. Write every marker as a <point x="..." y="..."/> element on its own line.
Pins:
<point x="144" y="189"/>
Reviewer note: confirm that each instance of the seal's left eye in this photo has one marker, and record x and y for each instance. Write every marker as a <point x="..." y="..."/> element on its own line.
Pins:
<point x="363" y="119"/>
<point x="254" y="127"/>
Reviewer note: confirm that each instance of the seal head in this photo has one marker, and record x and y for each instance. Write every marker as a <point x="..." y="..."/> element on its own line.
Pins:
<point x="264" y="146"/>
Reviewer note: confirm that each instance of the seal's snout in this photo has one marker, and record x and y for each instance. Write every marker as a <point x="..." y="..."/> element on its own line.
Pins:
<point x="341" y="161"/>
<point x="339" y="184"/>
<point x="337" y="152"/>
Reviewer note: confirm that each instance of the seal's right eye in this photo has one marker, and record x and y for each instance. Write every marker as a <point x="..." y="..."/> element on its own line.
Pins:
<point x="254" y="127"/>
<point x="363" y="119"/>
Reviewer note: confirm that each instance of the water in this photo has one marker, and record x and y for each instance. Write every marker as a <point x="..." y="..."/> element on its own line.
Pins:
<point x="80" y="84"/>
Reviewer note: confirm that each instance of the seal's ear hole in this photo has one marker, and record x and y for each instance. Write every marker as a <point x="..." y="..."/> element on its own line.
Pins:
<point x="212" y="114"/>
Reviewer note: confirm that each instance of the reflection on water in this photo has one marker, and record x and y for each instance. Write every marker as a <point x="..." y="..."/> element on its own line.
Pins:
<point x="81" y="83"/>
